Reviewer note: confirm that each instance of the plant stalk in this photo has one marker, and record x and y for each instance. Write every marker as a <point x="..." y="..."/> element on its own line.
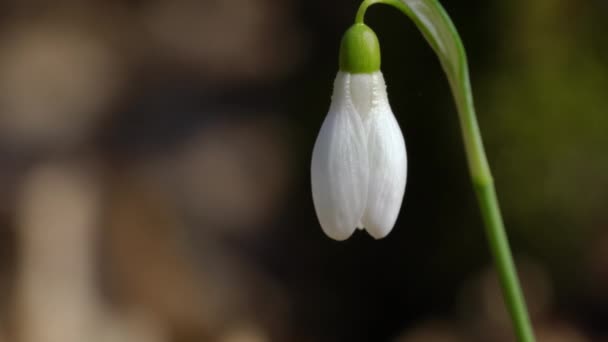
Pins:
<point x="436" y="26"/>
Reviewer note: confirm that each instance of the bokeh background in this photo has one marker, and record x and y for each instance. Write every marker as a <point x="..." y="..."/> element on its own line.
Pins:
<point x="154" y="174"/>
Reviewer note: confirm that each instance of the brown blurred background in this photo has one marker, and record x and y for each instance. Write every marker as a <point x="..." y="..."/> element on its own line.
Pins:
<point x="154" y="174"/>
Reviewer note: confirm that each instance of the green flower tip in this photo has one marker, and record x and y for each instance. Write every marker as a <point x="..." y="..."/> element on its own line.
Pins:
<point x="360" y="50"/>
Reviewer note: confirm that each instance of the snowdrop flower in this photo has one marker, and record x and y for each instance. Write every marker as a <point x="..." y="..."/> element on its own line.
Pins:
<point x="359" y="163"/>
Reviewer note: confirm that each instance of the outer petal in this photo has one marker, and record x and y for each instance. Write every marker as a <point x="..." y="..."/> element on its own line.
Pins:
<point x="362" y="91"/>
<point x="339" y="170"/>
<point x="388" y="160"/>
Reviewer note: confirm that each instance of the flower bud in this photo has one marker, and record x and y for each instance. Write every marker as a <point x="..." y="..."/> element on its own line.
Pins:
<point x="359" y="162"/>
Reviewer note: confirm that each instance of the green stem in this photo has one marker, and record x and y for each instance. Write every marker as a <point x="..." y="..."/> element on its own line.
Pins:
<point x="436" y="26"/>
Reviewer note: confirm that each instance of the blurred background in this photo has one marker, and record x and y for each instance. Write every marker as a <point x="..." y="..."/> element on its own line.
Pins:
<point x="154" y="174"/>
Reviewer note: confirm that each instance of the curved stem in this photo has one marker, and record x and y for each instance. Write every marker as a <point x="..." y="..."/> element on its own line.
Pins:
<point x="436" y="26"/>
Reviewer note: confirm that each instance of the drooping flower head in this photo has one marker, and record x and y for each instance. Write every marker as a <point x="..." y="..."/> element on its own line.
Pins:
<point x="359" y="163"/>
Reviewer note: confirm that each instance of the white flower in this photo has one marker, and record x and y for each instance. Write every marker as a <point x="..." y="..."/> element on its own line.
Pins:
<point x="359" y="163"/>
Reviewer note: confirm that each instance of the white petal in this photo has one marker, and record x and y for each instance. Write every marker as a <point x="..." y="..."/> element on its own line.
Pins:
<point x="339" y="169"/>
<point x="388" y="161"/>
<point x="362" y="90"/>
